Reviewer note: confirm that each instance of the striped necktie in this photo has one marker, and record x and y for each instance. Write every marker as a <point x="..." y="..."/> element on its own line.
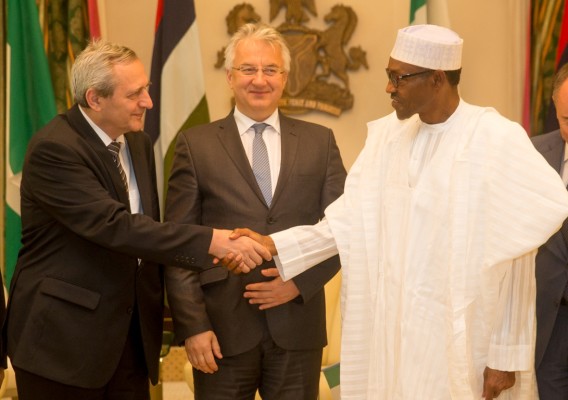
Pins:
<point x="260" y="163"/>
<point x="114" y="148"/>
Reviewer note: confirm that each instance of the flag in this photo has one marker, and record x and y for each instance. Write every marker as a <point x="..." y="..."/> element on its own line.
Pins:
<point x="551" y="121"/>
<point x="178" y="88"/>
<point x="429" y="12"/>
<point x="30" y="104"/>
<point x="331" y="374"/>
<point x="66" y="33"/>
<point x="94" y="20"/>
<point x="546" y="29"/>
<point x="417" y="12"/>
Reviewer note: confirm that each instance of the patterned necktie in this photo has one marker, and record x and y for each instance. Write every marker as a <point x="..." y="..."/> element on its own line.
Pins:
<point x="114" y="148"/>
<point x="260" y="164"/>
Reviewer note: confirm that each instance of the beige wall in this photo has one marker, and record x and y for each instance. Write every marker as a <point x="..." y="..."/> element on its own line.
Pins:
<point x="492" y="53"/>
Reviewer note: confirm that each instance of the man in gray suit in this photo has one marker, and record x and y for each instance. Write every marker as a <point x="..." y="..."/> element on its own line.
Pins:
<point x="551" y="358"/>
<point x="254" y="331"/>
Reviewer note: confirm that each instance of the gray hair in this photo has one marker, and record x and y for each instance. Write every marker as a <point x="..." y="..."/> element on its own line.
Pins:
<point x="93" y="68"/>
<point x="559" y="79"/>
<point x="257" y="32"/>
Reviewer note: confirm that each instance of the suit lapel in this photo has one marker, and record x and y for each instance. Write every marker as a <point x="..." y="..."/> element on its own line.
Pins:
<point x="228" y="135"/>
<point x="83" y="129"/>
<point x="140" y="165"/>
<point x="289" y="149"/>
<point x="554" y="153"/>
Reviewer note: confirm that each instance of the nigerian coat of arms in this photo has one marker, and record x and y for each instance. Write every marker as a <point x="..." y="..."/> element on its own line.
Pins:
<point x="320" y="63"/>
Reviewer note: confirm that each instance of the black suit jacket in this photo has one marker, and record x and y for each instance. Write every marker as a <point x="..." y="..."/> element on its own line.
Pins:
<point x="212" y="183"/>
<point x="552" y="257"/>
<point x="77" y="280"/>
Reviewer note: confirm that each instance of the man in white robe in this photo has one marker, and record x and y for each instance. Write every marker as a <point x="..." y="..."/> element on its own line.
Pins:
<point x="437" y="231"/>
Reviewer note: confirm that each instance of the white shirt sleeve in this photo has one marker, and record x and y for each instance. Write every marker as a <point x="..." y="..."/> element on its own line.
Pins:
<point x="302" y="247"/>
<point x="512" y="340"/>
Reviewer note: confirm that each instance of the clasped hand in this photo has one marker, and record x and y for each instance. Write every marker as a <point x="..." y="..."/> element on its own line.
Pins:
<point x="237" y="250"/>
<point x="237" y="262"/>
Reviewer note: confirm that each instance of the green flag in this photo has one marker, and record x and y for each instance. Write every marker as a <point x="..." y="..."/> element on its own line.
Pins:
<point x="417" y="9"/>
<point x="30" y="105"/>
<point x="429" y="12"/>
<point x="331" y="374"/>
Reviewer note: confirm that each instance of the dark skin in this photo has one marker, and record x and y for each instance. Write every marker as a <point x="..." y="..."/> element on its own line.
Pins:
<point x="232" y="263"/>
<point x="434" y="99"/>
<point x="429" y="95"/>
<point x="494" y="382"/>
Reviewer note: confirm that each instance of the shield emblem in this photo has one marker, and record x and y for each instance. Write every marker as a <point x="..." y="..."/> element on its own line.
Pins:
<point x="303" y="51"/>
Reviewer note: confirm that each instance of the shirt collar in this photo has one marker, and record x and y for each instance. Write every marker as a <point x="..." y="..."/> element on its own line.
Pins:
<point x="100" y="133"/>
<point x="244" y="123"/>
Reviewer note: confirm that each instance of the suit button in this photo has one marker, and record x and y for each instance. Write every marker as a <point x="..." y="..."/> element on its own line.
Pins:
<point x="270" y="221"/>
<point x="129" y="310"/>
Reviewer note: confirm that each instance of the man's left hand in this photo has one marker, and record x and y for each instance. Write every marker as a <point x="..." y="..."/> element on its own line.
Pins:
<point x="494" y="382"/>
<point x="272" y="293"/>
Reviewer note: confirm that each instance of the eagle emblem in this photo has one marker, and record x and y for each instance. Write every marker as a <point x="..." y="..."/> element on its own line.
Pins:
<point x="320" y="62"/>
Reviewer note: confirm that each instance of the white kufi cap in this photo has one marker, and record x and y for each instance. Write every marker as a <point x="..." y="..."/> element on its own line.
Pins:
<point x="428" y="46"/>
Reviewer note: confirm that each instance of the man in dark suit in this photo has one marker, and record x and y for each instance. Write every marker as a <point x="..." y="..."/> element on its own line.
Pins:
<point x="85" y="311"/>
<point x="551" y="355"/>
<point x="249" y="332"/>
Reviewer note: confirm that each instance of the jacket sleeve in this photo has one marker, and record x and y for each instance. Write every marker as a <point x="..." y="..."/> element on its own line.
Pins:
<point x="72" y="184"/>
<point x="183" y="289"/>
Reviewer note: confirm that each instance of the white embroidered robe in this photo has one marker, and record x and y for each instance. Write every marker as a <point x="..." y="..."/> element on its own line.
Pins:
<point x="437" y="256"/>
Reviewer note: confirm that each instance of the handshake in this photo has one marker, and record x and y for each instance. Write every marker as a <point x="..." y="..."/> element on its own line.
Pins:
<point x="241" y="250"/>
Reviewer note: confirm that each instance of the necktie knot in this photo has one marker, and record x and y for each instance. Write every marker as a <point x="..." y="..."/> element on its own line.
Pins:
<point x="259" y="128"/>
<point x="114" y="148"/>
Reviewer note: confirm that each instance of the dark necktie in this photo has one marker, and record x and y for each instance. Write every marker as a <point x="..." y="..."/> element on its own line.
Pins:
<point x="260" y="164"/>
<point x="114" y="148"/>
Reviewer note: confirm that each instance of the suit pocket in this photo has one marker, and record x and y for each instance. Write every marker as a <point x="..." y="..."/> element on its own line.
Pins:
<point x="213" y="275"/>
<point x="71" y="293"/>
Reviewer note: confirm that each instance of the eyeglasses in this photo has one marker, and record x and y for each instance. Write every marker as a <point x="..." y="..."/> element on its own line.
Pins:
<point x="395" y="79"/>
<point x="250" y="70"/>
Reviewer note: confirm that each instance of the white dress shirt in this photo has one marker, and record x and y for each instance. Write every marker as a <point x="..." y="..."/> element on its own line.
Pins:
<point x="126" y="161"/>
<point x="271" y="136"/>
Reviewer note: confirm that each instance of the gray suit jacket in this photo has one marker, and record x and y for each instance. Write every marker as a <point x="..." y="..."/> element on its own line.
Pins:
<point x="552" y="257"/>
<point x="212" y="183"/>
<point x="77" y="280"/>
